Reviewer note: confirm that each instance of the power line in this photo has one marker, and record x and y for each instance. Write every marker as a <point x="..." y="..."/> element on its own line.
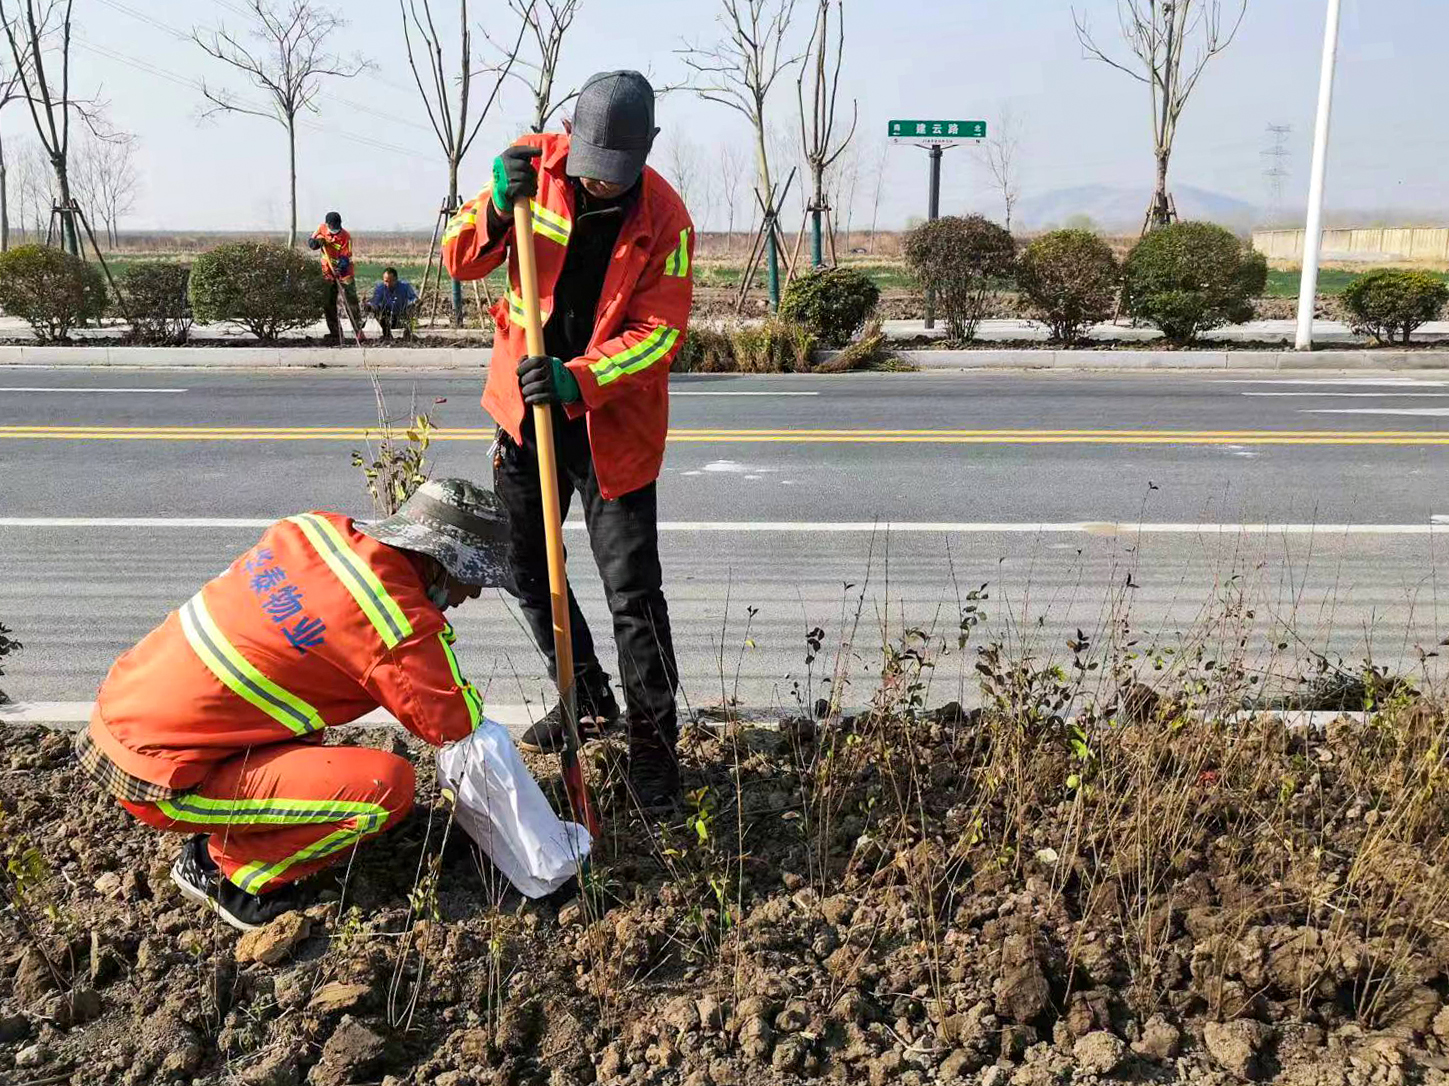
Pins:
<point x="181" y="35"/>
<point x="150" y="69"/>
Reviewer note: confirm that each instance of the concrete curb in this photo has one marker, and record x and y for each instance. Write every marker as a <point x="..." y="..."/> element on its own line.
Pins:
<point x="384" y="358"/>
<point x="1174" y="360"/>
<point x="476" y="358"/>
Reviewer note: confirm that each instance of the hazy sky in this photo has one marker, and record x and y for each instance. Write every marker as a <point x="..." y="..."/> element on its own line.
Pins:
<point x="1083" y="123"/>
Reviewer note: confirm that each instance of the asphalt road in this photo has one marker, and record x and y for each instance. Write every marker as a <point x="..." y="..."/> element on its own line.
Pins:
<point x="770" y="492"/>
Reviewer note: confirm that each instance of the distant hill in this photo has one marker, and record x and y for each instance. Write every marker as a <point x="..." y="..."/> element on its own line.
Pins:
<point x="1113" y="208"/>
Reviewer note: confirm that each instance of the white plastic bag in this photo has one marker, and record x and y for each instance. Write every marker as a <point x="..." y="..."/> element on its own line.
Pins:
<point x="502" y="808"/>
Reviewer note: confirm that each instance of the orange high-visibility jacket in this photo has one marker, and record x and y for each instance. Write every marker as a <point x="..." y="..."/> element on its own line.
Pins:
<point x="315" y="625"/>
<point x="642" y="317"/>
<point x="335" y="247"/>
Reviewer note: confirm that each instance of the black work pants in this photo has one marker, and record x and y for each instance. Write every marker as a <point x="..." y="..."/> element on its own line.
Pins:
<point x="329" y="307"/>
<point x="624" y="535"/>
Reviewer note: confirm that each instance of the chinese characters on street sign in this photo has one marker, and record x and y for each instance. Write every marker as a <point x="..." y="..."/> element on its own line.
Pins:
<point x="936" y="133"/>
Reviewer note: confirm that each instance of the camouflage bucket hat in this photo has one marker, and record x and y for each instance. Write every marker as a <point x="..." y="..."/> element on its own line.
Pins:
<point x="457" y="522"/>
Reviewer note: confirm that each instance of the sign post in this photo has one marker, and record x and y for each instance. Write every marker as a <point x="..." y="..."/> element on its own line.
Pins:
<point x="935" y="137"/>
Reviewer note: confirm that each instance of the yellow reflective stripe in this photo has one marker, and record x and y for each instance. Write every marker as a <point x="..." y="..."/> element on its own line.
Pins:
<point x="357" y="577"/>
<point x="678" y="262"/>
<point x="254" y="876"/>
<point x="270" y="811"/>
<point x="518" y="313"/>
<point x="550" y="224"/>
<point x="458" y="223"/>
<point x="656" y="345"/>
<point x="470" y="696"/>
<point x="238" y="674"/>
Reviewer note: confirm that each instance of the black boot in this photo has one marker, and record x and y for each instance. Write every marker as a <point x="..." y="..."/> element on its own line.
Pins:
<point x="195" y="873"/>
<point x="598" y="712"/>
<point x="654" y="774"/>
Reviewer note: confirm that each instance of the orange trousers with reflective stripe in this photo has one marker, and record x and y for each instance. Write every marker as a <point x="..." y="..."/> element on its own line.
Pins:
<point x="279" y="813"/>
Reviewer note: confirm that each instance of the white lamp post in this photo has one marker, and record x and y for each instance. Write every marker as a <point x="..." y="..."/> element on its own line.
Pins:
<point x="1313" y="236"/>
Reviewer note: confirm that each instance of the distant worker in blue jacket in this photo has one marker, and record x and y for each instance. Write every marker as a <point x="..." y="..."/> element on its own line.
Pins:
<point x="392" y="303"/>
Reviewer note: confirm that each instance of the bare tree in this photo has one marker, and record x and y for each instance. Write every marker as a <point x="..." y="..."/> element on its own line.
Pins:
<point x="1001" y="160"/>
<point x="879" y="187"/>
<point x="39" y="40"/>
<point x="288" y="65"/>
<point x="547" y="22"/>
<point x="451" y="123"/>
<point x="731" y="167"/>
<point x="817" y="122"/>
<point x="34" y="191"/>
<point x="681" y="165"/>
<point x="107" y="182"/>
<point x="847" y="180"/>
<point x="1172" y="41"/>
<point x="739" y="71"/>
<point x="12" y="89"/>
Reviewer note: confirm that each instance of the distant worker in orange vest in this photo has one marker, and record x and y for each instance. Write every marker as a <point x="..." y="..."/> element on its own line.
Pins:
<point x="615" y="249"/>
<point x="212" y="725"/>
<point x="336" y="246"/>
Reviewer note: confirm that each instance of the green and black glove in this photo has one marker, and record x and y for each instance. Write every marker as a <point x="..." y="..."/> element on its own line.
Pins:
<point x="514" y="176"/>
<point x="544" y="380"/>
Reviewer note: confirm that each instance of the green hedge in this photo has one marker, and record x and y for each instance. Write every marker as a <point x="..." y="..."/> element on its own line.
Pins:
<point x="266" y="288"/>
<point x="833" y="303"/>
<point x="1190" y="277"/>
<point x="1070" y="279"/>
<point x="962" y="260"/>
<point x="50" y="290"/>
<point x="1389" y="304"/>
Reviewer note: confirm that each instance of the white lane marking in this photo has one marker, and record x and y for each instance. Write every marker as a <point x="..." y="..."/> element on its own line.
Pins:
<point x="58" y="388"/>
<point x="1359" y="395"/>
<point x="673" y="393"/>
<point x="1363" y="382"/>
<point x="1421" y="412"/>
<point x="513" y="717"/>
<point x="1082" y="527"/>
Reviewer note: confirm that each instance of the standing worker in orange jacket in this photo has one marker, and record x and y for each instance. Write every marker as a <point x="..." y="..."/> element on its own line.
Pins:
<point x="614" y="247"/>
<point x="336" y="246"/>
<point x="212" y="724"/>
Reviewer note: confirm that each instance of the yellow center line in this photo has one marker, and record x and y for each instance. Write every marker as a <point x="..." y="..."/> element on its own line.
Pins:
<point x="838" y="436"/>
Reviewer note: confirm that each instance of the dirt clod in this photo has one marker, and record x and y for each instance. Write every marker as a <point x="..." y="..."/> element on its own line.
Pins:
<point x="1099" y="1053"/>
<point x="350" y="1054"/>
<point x="275" y="942"/>
<point x="1237" y="1046"/>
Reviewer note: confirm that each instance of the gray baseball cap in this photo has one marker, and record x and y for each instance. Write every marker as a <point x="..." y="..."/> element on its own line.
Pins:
<point x="457" y="522"/>
<point x="613" y="128"/>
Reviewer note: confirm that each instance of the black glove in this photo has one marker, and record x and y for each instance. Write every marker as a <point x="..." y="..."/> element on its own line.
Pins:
<point x="544" y="380"/>
<point x="514" y="176"/>
<point x="313" y="243"/>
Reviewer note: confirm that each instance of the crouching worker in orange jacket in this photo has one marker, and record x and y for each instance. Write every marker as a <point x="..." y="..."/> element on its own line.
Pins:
<point x="212" y="724"/>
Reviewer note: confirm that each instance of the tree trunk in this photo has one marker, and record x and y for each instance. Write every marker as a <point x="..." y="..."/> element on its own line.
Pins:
<point x="67" y="216"/>
<point x="292" y="179"/>
<point x="4" y="203"/>
<point x="817" y="257"/>
<point x="452" y="209"/>
<point x="773" y="262"/>
<point x="1161" y="210"/>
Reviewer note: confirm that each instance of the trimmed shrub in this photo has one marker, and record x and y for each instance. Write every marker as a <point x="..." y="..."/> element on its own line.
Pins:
<point x="1391" y="303"/>
<point x="266" y="288"/>
<point x="705" y="350"/>
<point x="156" y="301"/>
<point x="775" y="346"/>
<point x="1189" y="277"/>
<point x="1070" y="279"/>
<point x="833" y="303"/>
<point x="961" y="259"/>
<point x="50" y="290"/>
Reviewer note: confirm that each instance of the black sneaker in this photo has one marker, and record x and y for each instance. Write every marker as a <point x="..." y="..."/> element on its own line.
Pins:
<point x="200" y="880"/>
<point x="597" y="714"/>
<point x="654" y="778"/>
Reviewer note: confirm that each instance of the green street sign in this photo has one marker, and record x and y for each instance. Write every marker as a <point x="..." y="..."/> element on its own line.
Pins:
<point x="936" y="133"/>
